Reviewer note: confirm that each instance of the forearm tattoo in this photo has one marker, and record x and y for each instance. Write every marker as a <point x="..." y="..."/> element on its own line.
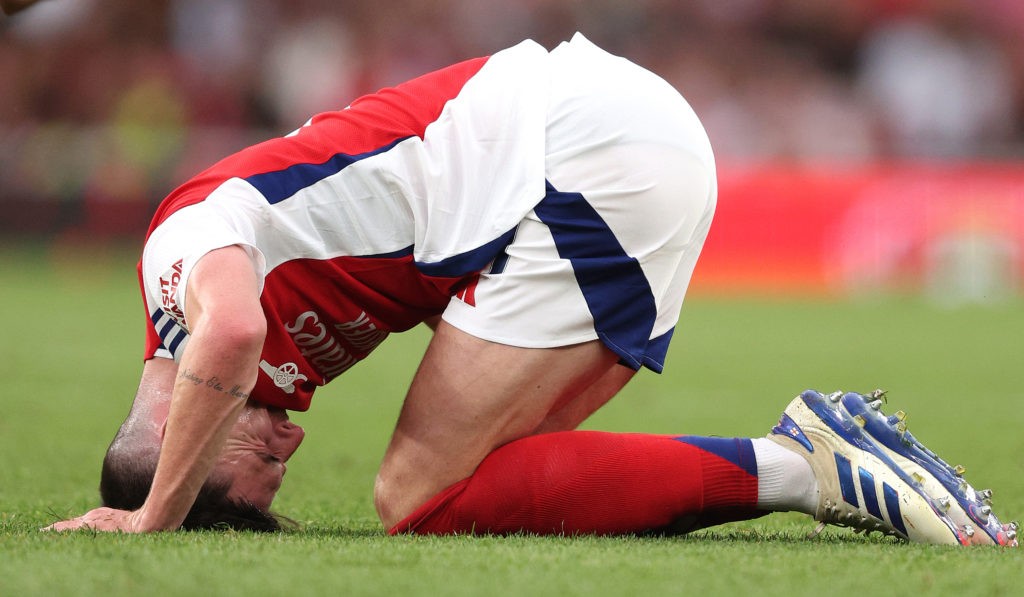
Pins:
<point x="213" y="383"/>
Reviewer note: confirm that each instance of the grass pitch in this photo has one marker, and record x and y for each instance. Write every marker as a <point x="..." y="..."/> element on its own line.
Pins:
<point x="70" y="351"/>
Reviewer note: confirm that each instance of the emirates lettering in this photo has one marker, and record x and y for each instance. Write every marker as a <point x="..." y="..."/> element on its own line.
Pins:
<point x="324" y="351"/>
<point x="362" y="334"/>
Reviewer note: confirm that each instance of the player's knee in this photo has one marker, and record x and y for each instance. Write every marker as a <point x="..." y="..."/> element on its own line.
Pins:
<point x="380" y="497"/>
<point x="400" y="491"/>
<point x="387" y="500"/>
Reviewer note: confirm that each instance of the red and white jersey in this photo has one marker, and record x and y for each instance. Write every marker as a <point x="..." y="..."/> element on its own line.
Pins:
<point x="559" y="197"/>
<point x="364" y="221"/>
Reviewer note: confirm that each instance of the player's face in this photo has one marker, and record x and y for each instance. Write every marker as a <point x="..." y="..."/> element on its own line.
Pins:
<point x="254" y="456"/>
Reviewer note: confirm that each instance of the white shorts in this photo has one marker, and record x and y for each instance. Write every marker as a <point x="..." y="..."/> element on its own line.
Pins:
<point x="608" y="253"/>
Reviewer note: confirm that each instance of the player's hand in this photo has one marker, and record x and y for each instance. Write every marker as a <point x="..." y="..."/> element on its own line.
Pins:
<point x="100" y="519"/>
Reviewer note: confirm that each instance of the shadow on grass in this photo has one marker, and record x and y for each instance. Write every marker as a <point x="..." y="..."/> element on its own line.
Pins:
<point x="349" y="530"/>
<point x="722" y="535"/>
<point x="783" y="537"/>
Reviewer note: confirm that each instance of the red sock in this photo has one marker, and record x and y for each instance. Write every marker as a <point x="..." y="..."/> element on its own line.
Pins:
<point x="596" y="482"/>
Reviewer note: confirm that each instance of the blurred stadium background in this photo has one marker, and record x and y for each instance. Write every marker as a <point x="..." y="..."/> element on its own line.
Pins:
<point x="864" y="145"/>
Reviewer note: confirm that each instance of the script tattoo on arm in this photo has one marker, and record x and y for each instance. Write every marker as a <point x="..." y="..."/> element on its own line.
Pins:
<point x="214" y="383"/>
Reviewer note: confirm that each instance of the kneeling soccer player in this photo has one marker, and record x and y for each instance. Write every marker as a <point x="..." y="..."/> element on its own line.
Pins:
<point x="544" y="210"/>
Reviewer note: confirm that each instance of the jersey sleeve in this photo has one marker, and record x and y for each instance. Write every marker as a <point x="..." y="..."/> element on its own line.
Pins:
<point x="171" y="253"/>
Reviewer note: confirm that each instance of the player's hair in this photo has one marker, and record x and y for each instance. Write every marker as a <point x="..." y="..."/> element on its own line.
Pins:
<point x="128" y="474"/>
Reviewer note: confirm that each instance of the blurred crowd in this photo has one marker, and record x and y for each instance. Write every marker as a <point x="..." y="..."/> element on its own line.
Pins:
<point x="112" y="102"/>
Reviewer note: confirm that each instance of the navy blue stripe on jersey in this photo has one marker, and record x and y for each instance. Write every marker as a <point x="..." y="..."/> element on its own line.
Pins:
<point x="613" y="284"/>
<point x="469" y="262"/>
<point x="176" y="341"/>
<point x="657" y="348"/>
<point x="166" y="329"/>
<point x="391" y="255"/>
<point x="170" y="332"/>
<point x="278" y="185"/>
<point x="499" y="263"/>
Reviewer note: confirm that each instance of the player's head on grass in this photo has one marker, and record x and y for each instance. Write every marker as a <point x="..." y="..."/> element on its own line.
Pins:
<point x="240" y="489"/>
<point x="127" y="477"/>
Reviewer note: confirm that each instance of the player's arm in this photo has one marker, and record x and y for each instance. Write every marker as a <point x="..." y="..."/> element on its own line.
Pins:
<point x="217" y="371"/>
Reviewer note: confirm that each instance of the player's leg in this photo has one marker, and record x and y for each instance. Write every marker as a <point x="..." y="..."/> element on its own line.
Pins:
<point x="836" y="457"/>
<point x="657" y="198"/>
<point x="605" y="255"/>
<point x="463" y="457"/>
<point x="571" y="413"/>
<point x="469" y="397"/>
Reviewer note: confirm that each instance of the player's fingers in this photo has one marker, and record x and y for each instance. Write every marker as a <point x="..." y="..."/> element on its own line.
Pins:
<point x="100" y="519"/>
<point x="65" y="525"/>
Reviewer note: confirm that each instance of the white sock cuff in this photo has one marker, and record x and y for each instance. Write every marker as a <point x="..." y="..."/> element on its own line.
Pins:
<point x="785" y="481"/>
